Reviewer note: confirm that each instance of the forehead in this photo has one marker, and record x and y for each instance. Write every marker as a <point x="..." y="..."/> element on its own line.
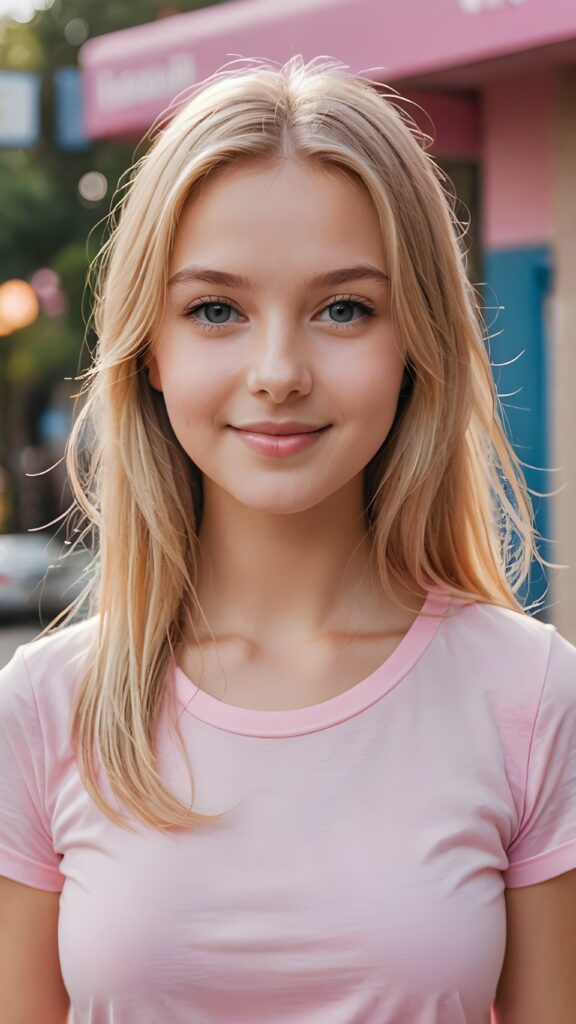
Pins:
<point x="277" y="212"/>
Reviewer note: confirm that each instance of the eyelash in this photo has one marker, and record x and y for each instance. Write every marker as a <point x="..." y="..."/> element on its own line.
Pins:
<point x="367" y="311"/>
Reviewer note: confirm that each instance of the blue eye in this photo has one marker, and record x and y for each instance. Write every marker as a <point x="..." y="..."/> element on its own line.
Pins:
<point x="343" y="310"/>
<point x="219" y="312"/>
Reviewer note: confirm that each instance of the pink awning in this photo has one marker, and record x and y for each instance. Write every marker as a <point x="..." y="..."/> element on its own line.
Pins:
<point x="133" y="75"/>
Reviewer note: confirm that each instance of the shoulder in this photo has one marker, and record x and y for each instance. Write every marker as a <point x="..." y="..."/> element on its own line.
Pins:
<point x="516" y="665"/>
<point x="498" y="624"/>
<point x="508" y="646"/>
<point x="524" y="671"/>
<point x="41" y="675"/>
<point x="61" y="647"/>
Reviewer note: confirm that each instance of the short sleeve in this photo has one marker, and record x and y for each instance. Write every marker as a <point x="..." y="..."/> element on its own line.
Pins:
<point x="26" y="850"/>
<point x="545" y="842"/>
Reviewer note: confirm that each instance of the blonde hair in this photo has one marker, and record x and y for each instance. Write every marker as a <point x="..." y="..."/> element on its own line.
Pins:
<point x="445" y="498"/>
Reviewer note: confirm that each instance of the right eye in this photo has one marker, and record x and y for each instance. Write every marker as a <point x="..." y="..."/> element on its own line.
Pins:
<point x="217" y="313"/>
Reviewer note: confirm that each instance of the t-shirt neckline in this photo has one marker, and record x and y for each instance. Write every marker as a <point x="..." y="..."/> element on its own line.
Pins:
<point x="296" y="721"/>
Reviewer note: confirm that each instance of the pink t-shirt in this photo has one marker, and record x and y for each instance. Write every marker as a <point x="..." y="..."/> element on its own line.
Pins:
<point x="360" y="878"/>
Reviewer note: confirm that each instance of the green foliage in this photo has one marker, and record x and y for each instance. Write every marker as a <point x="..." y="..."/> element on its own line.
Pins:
<point x="33" y="212"/>
<point x="44" y="221"/>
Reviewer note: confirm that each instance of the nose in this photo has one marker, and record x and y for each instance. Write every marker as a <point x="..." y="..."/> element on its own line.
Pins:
<point x="279" y="364"/>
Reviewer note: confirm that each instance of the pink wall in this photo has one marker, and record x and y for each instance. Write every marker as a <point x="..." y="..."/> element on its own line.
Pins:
<point x="517" y="161"/>
<point x="452" y="119"/>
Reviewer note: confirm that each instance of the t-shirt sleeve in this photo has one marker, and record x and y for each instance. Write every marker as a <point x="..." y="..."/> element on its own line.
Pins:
<point x="26" y="851"/>
<point x="545" y="842"/>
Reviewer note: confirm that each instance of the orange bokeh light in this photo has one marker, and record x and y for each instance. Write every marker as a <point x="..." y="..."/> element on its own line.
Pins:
<point x="19" y="306"/>
<point x="4" y="328"/>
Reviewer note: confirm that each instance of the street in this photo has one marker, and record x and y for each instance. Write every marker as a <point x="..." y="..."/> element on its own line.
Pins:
<point x="14" y="634"/>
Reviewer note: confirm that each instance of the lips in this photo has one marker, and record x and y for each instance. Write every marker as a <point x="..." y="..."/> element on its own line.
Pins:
<point x="269" y="441"/>
<point x="281" y="429"/>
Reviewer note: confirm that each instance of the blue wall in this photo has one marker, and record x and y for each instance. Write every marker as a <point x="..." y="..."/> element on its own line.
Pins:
<point x="518" y="280"/>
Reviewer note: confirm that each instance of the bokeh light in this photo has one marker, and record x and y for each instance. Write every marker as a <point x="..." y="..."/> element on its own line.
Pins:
<point x="19" y="305"/>
<point x="92" y="187"/>
<point x="24" y="10"/>
<point x="46" y="284"/>
<point x="76" y="31"/>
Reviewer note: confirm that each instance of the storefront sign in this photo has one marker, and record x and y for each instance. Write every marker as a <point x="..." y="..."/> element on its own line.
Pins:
<point x="474" y="6"/>
<point x="134" y="75"/>
<point x="158" y="81"/>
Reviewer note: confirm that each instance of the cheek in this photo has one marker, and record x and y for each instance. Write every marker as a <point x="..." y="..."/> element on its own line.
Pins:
<point x="373" y="388"/>
<point x="194" y="391"/>
<point x="190" y="415"/>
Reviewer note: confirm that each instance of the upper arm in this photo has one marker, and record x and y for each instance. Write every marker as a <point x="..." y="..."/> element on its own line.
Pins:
<point x="538" y="979"/>
<point x="31" y="985"/>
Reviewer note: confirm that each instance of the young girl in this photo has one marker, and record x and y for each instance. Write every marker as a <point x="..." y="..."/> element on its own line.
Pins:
<point x="308" y="760"/>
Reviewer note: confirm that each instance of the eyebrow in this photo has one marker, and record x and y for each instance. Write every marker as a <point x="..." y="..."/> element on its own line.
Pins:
<point x="333" y="277"/>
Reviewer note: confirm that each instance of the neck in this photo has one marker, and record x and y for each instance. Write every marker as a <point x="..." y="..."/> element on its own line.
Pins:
<point x="306" y="574"/>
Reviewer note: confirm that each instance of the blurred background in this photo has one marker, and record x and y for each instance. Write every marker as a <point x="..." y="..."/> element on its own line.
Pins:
<point x="493" y="82"/>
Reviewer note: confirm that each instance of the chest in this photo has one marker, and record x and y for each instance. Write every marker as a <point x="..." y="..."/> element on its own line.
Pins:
<point x="356" y="871"/>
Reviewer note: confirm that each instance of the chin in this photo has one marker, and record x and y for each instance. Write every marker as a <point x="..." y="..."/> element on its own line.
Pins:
<point x="278" y="505"/>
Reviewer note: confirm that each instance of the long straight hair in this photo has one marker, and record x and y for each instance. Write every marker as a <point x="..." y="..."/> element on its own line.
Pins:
<point x="446" y="503"/>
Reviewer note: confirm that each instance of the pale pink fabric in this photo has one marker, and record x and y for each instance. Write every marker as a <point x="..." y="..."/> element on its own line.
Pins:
<point x="359" y="878"/>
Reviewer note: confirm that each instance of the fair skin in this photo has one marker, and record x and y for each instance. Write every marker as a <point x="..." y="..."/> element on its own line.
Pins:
<point x="286" y="581"/>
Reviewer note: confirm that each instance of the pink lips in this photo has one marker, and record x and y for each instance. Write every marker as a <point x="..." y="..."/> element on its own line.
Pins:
<point x="280" y="444"/>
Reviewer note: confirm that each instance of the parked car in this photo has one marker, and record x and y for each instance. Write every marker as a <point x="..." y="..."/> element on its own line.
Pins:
<point x="35" y="578"/>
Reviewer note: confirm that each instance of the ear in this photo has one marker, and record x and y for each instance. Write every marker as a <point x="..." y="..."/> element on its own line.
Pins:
<point x="153" y="374"/>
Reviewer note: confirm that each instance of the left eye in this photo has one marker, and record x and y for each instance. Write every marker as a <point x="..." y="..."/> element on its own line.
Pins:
<point x="343" y="310"/>
<point x="220" y="312"/>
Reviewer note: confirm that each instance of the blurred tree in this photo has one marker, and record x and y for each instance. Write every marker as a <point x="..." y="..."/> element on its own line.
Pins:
<point x="45" y="222"/>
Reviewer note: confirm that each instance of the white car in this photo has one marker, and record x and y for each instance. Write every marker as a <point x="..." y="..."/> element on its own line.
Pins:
<point x="34" y="577"/>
